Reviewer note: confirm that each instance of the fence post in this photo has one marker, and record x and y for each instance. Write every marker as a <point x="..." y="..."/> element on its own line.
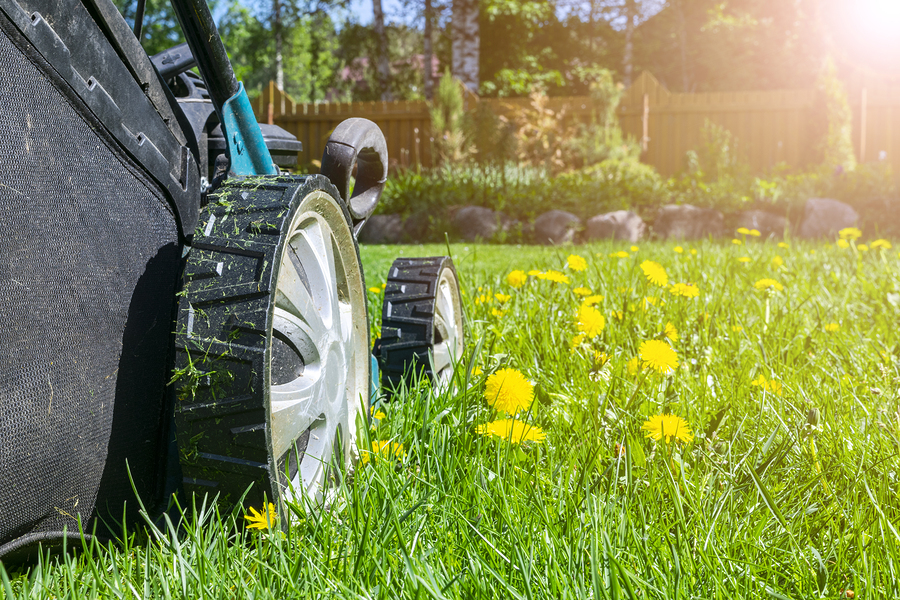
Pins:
<point x="271" y="119"/>
<point x="645" y="122"/>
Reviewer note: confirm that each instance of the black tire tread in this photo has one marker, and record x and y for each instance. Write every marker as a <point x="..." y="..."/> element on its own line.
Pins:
<point x="407" y="319"/>
<point x="223" y="336"/>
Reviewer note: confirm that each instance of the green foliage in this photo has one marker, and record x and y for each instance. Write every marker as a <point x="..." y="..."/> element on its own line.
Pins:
<point x="451" y="138"/>
<point x="357" y="43"/>
<point x="518" y="48"/>
<point x="493" y="138"/>
<point x="540" y="134"/>
<point x="522" y="192"/>
<point x="834" y="119"/>
<point x="311" y="65"/>
<point x="601" y="139"/>
<point x="160" y="29"/>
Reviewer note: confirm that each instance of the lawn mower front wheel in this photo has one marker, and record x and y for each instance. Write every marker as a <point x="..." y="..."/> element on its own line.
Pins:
<point x="273" y="364"/>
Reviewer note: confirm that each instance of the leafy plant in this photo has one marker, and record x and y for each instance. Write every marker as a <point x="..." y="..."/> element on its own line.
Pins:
<point x="834" y="120"/>
<point x="451" y="139"/>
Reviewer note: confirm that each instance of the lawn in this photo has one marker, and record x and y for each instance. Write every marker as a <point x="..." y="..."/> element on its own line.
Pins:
<point x="781" y="359"/>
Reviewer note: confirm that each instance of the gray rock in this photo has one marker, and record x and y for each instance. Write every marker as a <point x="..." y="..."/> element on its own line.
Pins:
<point x="477" y="222"/>
<point x="618" y="225"/>
<point x="556" y="227"/>
<point x="416" y="227"/>
<point x="769" y="225"/>
<point x="825" y="216"/>
<point x="687" y="221"/>
<point x="381" y="229"/>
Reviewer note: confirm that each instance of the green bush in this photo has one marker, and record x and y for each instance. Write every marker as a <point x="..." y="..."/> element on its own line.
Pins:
<point x="523" y="192"/>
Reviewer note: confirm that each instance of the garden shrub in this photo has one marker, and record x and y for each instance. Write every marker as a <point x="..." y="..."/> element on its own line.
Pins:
<point x="451" y="138"/>
<point x="523" y="192"/>
<point x="834" y="120"/>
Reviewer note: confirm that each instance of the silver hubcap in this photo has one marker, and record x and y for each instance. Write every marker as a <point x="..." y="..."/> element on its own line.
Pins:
<point x="319" y="368"/>
<point x="447" y="345"/>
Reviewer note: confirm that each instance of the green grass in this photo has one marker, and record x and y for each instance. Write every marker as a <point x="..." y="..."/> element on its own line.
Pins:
<point x="790" y="495"/>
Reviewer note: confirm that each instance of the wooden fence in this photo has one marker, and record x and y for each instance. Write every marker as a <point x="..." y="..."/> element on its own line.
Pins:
<point x="771" y="126"/>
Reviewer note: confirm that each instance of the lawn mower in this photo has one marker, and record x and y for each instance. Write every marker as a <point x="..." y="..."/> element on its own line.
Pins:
<point x="179" y="315"/>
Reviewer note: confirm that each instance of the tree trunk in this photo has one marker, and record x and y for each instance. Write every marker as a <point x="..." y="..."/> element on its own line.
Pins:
<point x="383" y="69"/>
<point x="428" y="75"/>
<point x="279" y="44"/>
<point x="628" y="58"/>
<point x="465" y="42"/>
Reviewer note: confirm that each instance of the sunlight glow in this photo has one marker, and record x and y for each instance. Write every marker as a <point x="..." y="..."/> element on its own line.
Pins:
<point x="879" y="19"/>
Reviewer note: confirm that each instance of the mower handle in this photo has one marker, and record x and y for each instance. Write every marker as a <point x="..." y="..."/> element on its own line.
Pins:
<point x="246" y="146"/>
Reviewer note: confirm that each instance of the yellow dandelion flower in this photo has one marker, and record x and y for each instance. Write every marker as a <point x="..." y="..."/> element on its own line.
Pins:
<point x="755" y="232"/>
<point x="592" y="300"/>
<point x="590" y="321"/>
<point x="477" y="371"/>
<point x="744" y="259"/>
<point x="576" y="341"/>
<point x="655" y="273"/>
<point x="862" y="248"/>
<point x="668" y="427"/>
<point x="843" y="244"/>
<point x="777" y="261"/>
<point x="618" y="314"/>
<point x="769" y="385"/>
<point x="262" y="520"/>
<point x="783" y="245"/>
<point x="880" y="243"/>
<point x="650" y="301"/>
<point x="379" y="415"/>
<point x="619" y="254"/>
<point x="685" y="290"/>
<point x="509" y="391"/>
<point x="832" y="327"/>
<point x="383" y="449"/>
<point x="658" y="355"/>
<point x="375" y="290"/>
<point x="678" y="249"/>
<point x="383" y="285"/>
<point x="554" y="276"/>
<point x="512" y="430"/>
<point x="694" y="251"/>
<point x="576" y="263"/>
<point x="535" y="273"/>
<point x="766" y="284"/>
<point x="671" y="332"/>
<point x="483" y="299"/>
<point x="736" y="242"/>
<point x="582" y="291"/>
<point x="502" y="298"/>
<point x="850" y="233"/>
<point x="736" y="328"/>
<point x="498" y="313"/>
<point x="634" y="248"/>
<point x="743" y="231"/>
<point x="600" y="358"/>
<point x="517" y="278"/>
<point x="634" y="365"/>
